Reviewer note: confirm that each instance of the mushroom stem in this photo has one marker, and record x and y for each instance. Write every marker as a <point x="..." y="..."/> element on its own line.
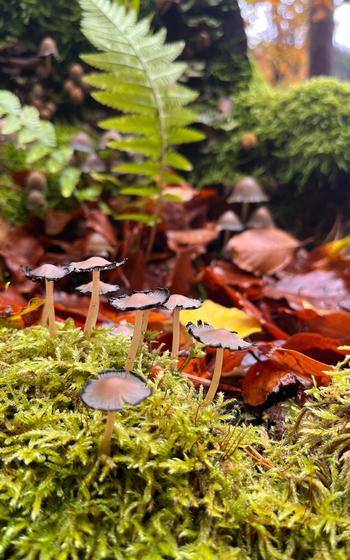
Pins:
<point x="144" y="326"/>
<point x="135" y="340"/>
<point x="107" y="436"/>
<point x="176" y="334"/>
<point x="50" y="306"/>
<point x="244" y="214"/>
<point x="44" y="315"/>
<point x="92" y="315"/>
<point x="216" y="376"/>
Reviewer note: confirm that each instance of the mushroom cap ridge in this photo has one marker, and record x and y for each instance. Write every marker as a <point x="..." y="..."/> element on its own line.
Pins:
<point x="143" y="305"/>
<point x="114" y="389"/>
<point x="225" y="339"/>
<point x="47" y="271"/>
<point x="95" y="263"/>
<point x="178" y="302"/>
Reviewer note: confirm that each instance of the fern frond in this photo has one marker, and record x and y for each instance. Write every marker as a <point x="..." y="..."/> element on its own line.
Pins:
<point x="139" y="78"/>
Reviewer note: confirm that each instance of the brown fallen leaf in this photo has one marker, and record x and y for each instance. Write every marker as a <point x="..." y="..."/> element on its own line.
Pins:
<point x="263" y="251"/>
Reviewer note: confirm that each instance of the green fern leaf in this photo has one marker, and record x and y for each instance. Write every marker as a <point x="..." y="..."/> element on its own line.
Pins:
<point x="139" y="77"/>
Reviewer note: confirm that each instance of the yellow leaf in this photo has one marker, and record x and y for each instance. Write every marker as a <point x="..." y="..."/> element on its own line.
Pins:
<point x="221" y="317"/>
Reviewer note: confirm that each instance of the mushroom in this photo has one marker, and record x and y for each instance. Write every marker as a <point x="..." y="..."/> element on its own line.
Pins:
<point x="94" y="265"/>
<point x="229" y="222"/>
<point x="112" y="390"/>
<point x="48" y="47"/>
<point x="50" y="273"/>
<point x="220" y="339"/>
<point x="261" y="218"/>
<point x="36" y="181"/>
<point x="175" y="304"/>
<point x="139" y="302"/>
<point x="103" y="288"/>
<point x="93" y="163"/>
<point x="247" y="191"/>
<point x="108" y="136"/>
<point x="81" y="142"/>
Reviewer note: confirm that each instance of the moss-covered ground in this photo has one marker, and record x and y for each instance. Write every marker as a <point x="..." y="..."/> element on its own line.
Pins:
<point x="180" y="483"/>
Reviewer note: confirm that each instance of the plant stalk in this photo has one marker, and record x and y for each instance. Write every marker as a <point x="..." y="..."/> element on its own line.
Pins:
<point x="215" y="380"/>
<point x="92" y="315"/>
<point x="49" y="284"/>
<point x="176" y="334"/>
<point x="135" y="343"/>
<point x="107" y="436"/>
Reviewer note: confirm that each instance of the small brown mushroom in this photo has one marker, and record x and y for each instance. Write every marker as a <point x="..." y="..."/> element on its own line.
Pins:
<point x="36" y="181"/>
<point x="229" y="222"/>
<point x="93" y="163"/>
<point x="247" y="191"/>
<point x="94" y="265"/>
<point x="175" y="304"/>
<point x="220" y="339"/>
<point x="50" y="273"/>
<point x="76" y="72"/>
<point x="48" y="47"/>
<point x="261" y="218"/>
<point x="139" y="302"/>
<point x="81" y="142"/>
<point x="112" y="390"/>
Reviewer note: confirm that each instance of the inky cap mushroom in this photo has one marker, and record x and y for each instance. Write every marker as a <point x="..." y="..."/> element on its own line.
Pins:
<point x="50" y="273"/>
<point x="103" y="288"/>
<point x="260" y="218"/>
<point x="81" y="142"/>
<point x="247" y="191"/>
<point x="219" y="339"/>
<point x="140" y="302"/>
<point x="229" y="221"/>
<point x="175" y="304"/>
<point x="94" y="265"/>
<point x="112" y="390"/>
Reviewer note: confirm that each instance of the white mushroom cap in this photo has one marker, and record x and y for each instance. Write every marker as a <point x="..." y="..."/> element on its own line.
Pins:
<point x="247" y="189"/>
<point x="229" y="221"/>
<point x="216" y="338"/>
<point x="114" y="389"/>
<point x="177" y="301"/>
<point x="141" y="300"/>
<point x="47" y="271"/>
<point x="103" y="288"/>
<point x="81" y="142"/>
<point x="260" y="218"/>
<point x="95" y="263"/>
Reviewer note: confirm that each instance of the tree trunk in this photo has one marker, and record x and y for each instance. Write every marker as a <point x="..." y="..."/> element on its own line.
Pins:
<point x="321" y="27"/>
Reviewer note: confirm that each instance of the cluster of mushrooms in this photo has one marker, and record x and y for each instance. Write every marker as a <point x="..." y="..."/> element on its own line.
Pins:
<point x="115" y="388"/>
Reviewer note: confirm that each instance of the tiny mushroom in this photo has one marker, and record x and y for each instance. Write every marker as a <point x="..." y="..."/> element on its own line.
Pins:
<point x="219" y="339"/>
<point x="261" y="218"/>
<point x="93" y="163"/>
<point x="94" y="265"/>
<point x="141" y="303"/>
<point x="50" y="273"/>
<point x="103" y="288"/>
<point x="229" y="222"/>
<point x="81" y="142"/>
<point x="175" y="304"/>
<point x="112" y="390"/>
<point x="247" y="191"/>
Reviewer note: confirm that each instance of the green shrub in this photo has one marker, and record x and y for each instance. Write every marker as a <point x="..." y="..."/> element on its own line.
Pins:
<point x="303" y="139"/>
<point x="179" y="485"/>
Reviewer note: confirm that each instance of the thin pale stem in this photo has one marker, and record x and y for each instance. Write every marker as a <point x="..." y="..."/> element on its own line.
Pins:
<point x="144" y="326"/>
<point x="50" y="306"/>
<point x="92" y="315"/>
<point x="135" y="341"/>
<point x="44" y="315"/>
<point x="107" y="436"/>
<point x="215" y="380"/>
<point x="176" y="334"/>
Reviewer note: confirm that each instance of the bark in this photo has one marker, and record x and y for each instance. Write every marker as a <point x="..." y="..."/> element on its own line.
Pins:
<point x="321" y="27"/>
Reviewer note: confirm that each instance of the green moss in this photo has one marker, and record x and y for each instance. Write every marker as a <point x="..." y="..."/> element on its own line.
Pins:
<point x="179" y="483"/>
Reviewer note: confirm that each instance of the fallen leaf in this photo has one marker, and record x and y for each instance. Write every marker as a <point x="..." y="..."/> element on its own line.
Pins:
<point x="219" y="317"/>
<point x="263" y="251"/>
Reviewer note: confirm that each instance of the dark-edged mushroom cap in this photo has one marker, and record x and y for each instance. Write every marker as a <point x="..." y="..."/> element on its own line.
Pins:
<point x="216" y="338"/>
<point x="247" y="189"/>
<point x="113" y="389"/>
<point x="146" y="299"/>
<point x="177" y="301"/>
<point x="93" y="163"/>
<point x="95" y="263"/>
<point x="103" y="288"/>
<point x="48" y="47"/>
<point x="81" y="142"/>
<point x="229" y="221"/>
<point x="261" y="217"/>
<point x="47" y="271"/>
